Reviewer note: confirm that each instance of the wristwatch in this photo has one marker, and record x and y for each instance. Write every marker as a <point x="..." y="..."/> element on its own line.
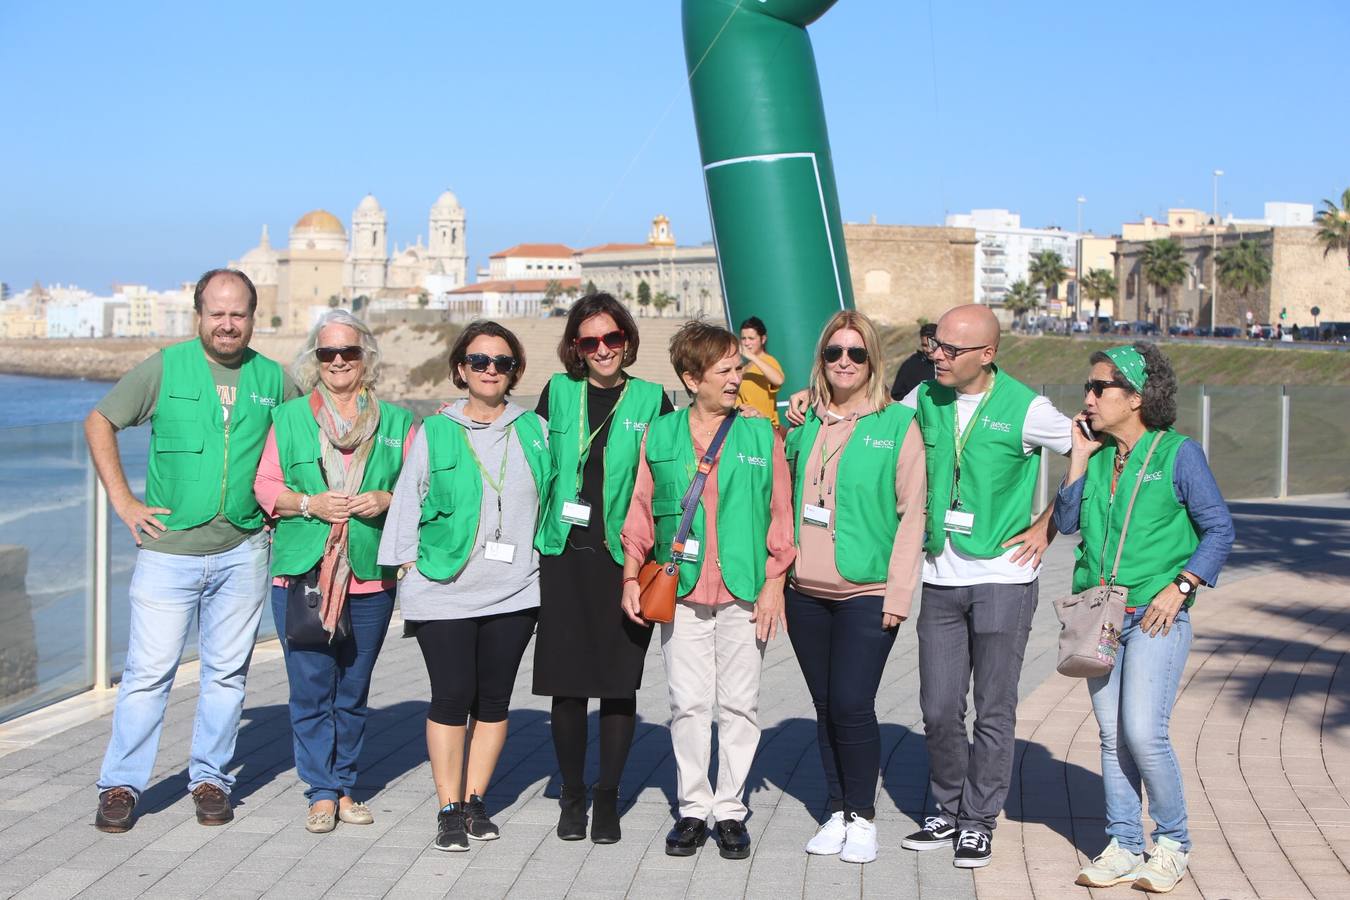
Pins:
<point x="1184" y="585"/>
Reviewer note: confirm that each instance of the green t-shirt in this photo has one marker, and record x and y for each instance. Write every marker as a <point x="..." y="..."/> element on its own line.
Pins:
<point x="131" y="402"/>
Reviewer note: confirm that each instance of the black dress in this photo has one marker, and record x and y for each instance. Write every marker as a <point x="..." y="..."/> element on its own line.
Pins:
<point x="585" y="646"/>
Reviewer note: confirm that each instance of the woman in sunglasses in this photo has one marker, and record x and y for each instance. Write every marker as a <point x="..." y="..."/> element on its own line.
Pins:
<point x="859" y="488"/>
<point x="1179" y="536"/>
<point x="327" y="470"/>
<point x="461" y="527"/>
<point x="586" y="647"/>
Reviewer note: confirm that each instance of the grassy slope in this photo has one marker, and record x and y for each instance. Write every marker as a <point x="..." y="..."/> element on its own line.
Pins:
<point x="1057" y="360"/>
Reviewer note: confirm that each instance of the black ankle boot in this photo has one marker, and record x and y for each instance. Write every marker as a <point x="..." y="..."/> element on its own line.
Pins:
<point x="605" y="817"/>
<point x="572" y="813"/>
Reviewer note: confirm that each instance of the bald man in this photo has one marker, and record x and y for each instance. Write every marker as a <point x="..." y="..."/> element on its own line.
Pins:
<point x="984" y="432"/>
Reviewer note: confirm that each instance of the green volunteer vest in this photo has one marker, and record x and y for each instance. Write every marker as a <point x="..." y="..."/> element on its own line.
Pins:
<point x="640" y="404"/>
<point x="448" y="528"/>
<point x="744" y="488"/>
<point x="864" y="520"/>
<point x="297" y="543"/>
<point x="998" y="481"/>
<point x="198" y="467"/>
<point x="1162" y="536"/>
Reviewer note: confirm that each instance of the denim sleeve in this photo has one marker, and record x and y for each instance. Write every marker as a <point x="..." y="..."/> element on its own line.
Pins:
<point x="1199" y="493"/>
<point x="1068" y="504"/>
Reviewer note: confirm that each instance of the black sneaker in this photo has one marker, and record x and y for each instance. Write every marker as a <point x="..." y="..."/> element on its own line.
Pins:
<point x="936" y="834"/>
<point x="450" y="834"/>
<point x="973" y="849"/>
<point x="476" y="821"/>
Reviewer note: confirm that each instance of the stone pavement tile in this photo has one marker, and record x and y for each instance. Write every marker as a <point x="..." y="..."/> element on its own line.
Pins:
<point x="61" y="883"/>
<point x="124" y="881"/>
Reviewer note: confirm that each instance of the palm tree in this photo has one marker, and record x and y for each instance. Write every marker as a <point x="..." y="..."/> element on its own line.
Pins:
<point x="552" y="291"/>
<point x="1020" y="300"/>
<point x="1333" y="226"/>
<point x="1098" y="284"/>
<point x="660" y="300"/>
<point x="1244" y="267"/>
<point x="1047" y="269"/>
<point x="1165" y="267"/>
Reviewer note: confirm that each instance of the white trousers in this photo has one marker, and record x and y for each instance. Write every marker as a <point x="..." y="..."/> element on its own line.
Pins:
<point x="711" y="655"/>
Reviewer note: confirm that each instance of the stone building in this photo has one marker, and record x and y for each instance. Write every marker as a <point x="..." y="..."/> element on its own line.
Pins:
<point x="689" y="275"/>
<point x="903" y="273"/>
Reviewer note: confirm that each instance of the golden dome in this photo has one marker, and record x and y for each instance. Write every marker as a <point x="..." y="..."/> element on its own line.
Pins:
<point x="319" y="221"/>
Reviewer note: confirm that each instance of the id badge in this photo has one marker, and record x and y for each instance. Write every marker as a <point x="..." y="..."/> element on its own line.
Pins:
<point x="816" y="515"/>
<point x="959" y="521"/>
<point x="499" y="552"/>
<point x="576" y="512"/>
<point x="690" y="551"/>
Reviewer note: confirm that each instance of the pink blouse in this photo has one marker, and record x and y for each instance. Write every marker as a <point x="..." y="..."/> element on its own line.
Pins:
<point x="269" y="484"/>
<point x="639" y="531"/>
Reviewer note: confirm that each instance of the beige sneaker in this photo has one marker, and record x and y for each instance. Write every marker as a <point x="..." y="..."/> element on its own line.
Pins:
<point x="1114" y="865"/>
<point x="1165" y="868"/>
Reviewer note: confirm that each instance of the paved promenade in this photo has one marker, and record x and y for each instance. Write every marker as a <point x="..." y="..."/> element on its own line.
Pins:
<point x="1262" y="726"/>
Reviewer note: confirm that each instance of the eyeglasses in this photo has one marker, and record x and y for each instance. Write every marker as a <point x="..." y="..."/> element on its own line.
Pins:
<point x="834" y="352"/>
<point x="613" y="340"/>
<point x="1096" y="386"/>
<point x="479" y="362"/>
<point x="348" y="354"/>
<point x="951" y="351"/>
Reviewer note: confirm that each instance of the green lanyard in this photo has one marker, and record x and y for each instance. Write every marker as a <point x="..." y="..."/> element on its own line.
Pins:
<point x="961" y="440"/>
<point x="500" y="483"/>
<point x="584" y="441"/>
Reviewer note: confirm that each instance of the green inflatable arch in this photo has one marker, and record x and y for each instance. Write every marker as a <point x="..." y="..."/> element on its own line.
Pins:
<point x="767" y="169"/>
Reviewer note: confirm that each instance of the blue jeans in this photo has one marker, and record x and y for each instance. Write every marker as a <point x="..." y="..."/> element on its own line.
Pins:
<point x="1134" y="706"/>
<point x="225" y="592"/>
<point x="842" y="650"/>
<point x="329" y="689"/>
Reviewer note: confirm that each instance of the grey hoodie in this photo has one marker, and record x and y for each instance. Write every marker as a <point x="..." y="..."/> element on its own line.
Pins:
<point x="483" y="587"/>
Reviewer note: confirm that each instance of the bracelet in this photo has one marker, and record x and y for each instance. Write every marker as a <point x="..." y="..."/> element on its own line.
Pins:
<point x="632" y="578"/>
<point x="304" y="506"/>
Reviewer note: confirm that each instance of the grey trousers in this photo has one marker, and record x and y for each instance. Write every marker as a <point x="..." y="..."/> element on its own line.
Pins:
<point x="982" y="630"/>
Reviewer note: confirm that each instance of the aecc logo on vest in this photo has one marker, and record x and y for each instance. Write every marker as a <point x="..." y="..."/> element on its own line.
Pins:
<point x="869" y="441"/>
<point x="391" y="442"/>
<point x="630" y="425"/>
<point x="1005" y="427"/>
<point x="753" y="460"/>
<point x="262" y="401"/>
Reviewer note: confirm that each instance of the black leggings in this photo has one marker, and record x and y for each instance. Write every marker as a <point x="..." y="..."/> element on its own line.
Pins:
<point x="618" y="718"/>
<point x="472" y="664"/>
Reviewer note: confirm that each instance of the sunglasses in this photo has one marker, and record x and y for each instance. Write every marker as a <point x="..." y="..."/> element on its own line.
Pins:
<point x="1096" y="386"/>
<point x="348" y="354"/>
<point x="834" y="352"/>
<point x="479" y="362"/>
<point x="951" y="351"/>
<point x="614" y="341"/>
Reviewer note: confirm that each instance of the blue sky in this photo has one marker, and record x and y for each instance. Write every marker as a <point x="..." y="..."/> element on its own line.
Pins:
<point x="146" y="142"/>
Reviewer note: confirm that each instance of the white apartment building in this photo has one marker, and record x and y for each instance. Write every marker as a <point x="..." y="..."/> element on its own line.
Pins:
<point x="1004" y="249"/>
<point x="533" y="261"/>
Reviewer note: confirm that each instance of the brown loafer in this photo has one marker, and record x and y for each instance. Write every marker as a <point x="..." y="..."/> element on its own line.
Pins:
<point x="115" y="810"/>
<point x="213" y="804"/>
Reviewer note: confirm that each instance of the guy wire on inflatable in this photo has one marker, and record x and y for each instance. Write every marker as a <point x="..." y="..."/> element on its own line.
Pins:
<point x="767" y="169"/>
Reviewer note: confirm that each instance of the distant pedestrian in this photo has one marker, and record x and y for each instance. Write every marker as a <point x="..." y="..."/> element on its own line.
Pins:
<point x="326" y="478"/>
<point x="918" y="366"/>
<point x="461" y="527"/>
<point x="203" y="553"/>
<point x="1181" y="535"/>
<point x="763" y="375"/>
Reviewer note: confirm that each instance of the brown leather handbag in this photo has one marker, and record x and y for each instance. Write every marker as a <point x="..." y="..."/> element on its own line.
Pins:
<point x="658" y="581"/>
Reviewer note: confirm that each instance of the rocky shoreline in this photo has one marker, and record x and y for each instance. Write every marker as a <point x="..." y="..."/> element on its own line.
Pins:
<point x="102" y="359"/>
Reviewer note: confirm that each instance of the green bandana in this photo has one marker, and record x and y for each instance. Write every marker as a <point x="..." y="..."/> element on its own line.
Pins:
<point x="1131" y="365"/>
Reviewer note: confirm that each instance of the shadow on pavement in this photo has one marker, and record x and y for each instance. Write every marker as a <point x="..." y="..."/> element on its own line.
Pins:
<point x="1310" y="540"/>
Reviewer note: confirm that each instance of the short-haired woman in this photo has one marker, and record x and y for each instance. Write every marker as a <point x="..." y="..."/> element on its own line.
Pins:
<point x="762" y="375"/>
<point x="1179" y="535"/>
<point x="730" y="593"/>
<point x="585" y="646"/>
<point x="462" y="528"/>
<point x="859" y="488"/>
<point x="328" y="467"/>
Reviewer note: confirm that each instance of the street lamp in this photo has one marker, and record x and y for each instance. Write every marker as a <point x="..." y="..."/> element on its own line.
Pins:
<point x="1078" y="264"/>
<point x="1214" y="257"/>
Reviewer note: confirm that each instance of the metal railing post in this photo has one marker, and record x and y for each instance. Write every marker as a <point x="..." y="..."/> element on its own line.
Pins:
<point x="102" y="575"/>
<point x="1282" y="489"/>
<point x="1204" y="421"/>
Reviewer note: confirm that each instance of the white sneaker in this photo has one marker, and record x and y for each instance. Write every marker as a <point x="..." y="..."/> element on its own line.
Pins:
<point x="1165" y="868"/>
<point x="1114" y="865"/>
<point x="829" y="839"/>
<point x="860" y="840"/>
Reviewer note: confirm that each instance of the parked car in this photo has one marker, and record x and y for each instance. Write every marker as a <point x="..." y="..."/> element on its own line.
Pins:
<point x="1203" y="331"/>
<point x="1227" y="331"/>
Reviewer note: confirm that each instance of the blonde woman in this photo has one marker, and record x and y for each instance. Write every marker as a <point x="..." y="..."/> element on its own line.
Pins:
<point x="858" y="493"/>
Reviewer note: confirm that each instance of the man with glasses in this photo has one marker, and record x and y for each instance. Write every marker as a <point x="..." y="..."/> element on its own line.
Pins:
<point x="984" y="432"/>
<point x="204" y="555"/>
<point x="918" y="367"/>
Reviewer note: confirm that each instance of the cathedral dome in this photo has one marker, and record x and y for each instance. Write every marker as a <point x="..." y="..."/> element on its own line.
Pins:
<point x="446" y="202"/>
<point x="319" y="222"/>
<point x="369" y="204"/>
